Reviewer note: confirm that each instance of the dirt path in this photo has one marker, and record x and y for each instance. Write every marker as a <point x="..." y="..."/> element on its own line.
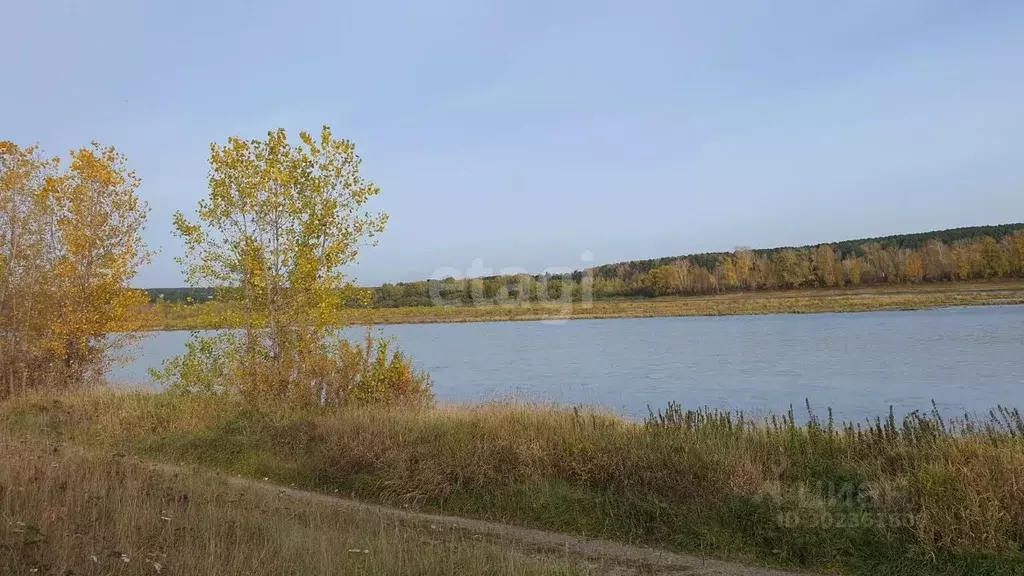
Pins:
<point x="604" y="556"/>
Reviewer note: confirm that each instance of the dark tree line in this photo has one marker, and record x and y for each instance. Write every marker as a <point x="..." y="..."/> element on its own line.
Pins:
<point x="180" y="295"/>
<point x="848" y="248"/>
<point x="980" y="252"/>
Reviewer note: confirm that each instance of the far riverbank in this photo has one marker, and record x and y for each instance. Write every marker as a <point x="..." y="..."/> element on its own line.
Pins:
<point x="862" y="299"/>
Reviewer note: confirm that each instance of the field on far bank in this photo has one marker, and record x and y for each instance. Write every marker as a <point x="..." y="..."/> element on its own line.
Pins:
<point x="861" y="299"/>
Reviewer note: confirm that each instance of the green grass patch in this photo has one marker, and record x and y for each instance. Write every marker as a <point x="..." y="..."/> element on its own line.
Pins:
<point x="921" y="496"/>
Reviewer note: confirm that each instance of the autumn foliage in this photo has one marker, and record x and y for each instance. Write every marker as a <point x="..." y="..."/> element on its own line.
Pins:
<point x="975" y="253"/>
<point x="70" y="245"/>
<point x="278" y="225"/>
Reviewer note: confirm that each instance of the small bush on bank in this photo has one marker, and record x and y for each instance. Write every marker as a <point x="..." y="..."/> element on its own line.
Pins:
<point x="335" y="373"/>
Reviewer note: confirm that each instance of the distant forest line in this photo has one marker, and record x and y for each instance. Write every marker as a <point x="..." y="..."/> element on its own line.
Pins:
<point x="969" y="253"/>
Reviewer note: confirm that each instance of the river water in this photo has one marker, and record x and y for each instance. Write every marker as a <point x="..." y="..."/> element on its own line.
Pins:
<point x="965" y="359"/>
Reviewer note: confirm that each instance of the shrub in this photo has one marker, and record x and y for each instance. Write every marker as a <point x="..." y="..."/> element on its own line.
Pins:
<point x="70" y="245"/>
<point x="338" y="372"/>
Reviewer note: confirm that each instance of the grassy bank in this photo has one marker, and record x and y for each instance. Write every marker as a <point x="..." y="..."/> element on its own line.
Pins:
<point x="916" y="497"/>
<point x="902" y="297"/>
<point x="68" y="512"/>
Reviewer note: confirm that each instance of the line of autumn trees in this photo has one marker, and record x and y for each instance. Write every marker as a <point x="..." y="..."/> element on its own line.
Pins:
<point x="981" y="252"/>
<point x="970" y="253"/>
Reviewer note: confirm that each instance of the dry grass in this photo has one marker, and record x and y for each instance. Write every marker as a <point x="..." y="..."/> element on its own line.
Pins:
<point x="67" y="512"/>
<point x="915" y="497"/>
<point x="861" y="299"/>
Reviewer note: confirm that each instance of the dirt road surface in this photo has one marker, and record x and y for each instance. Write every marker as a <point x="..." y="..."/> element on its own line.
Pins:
<point x="601" y="556"/>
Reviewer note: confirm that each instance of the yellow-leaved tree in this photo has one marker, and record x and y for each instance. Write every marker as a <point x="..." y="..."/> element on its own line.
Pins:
<point x="273" y="235"/>
<point x="70" y="244"/>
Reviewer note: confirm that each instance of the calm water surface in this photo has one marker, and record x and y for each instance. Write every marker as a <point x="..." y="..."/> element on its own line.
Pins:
<point x="860" y="364"/>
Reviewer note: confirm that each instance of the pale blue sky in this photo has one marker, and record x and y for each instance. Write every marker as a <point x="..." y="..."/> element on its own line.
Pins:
<point x="524" y="133"/>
